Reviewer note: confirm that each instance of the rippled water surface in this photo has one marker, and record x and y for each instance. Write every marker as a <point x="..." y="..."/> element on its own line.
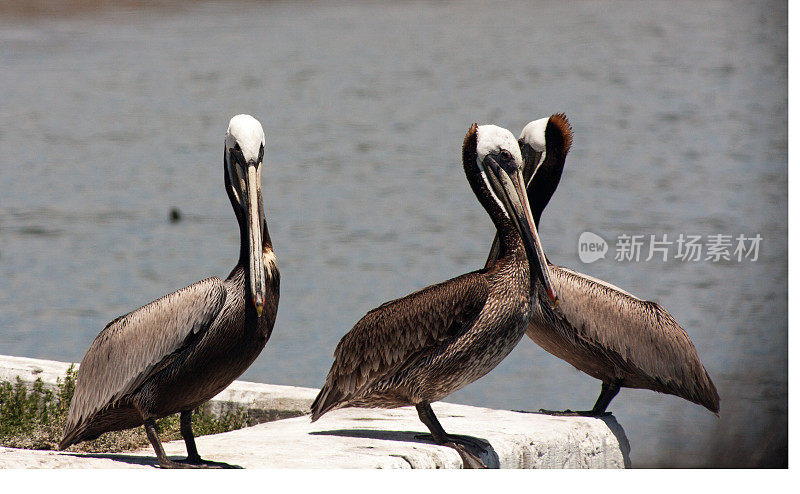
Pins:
<point x="111" y="117"/>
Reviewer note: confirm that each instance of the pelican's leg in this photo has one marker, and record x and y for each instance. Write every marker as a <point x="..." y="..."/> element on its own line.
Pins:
<point x="188" y="437"/>
<point x="607" y="393"/>
<point x="193" y="457"/>
<point x="441" y="437"/>
<point x="152" y="436"/>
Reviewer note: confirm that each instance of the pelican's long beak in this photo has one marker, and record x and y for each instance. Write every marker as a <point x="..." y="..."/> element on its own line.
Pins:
<point x="513" y="194"/>
<point x="532" y="159"/>
<point x="253" y="193"/>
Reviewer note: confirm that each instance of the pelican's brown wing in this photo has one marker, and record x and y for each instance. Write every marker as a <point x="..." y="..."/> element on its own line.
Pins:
<point x="394" y="333"/>
<point x="639" y="335"/>
<point x="133" y="347"/>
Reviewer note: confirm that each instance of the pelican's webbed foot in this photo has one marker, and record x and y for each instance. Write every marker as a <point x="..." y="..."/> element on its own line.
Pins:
<point x="464" y="446"/>
<point x="579" y="413"/>
<point x="201" y="463"/>
<point x="192" y="461"/>
<point x="469" y="460"/>
<point x="461" y="444"/>
<point x="607" y="393"/>
<point x="467" y="441"/>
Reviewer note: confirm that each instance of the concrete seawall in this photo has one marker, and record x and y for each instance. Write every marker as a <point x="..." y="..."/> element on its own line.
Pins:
<point x="350" y="438"/>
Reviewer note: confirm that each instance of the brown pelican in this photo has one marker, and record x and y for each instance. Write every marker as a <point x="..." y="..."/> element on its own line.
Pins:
<point x="599" y="328"/>
<point x="420" y="348"/>
<point x="177" y="352"/>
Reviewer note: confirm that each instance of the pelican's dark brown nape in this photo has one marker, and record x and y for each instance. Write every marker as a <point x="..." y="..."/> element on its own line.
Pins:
<point x="420" y="348"/>
<point x="177" y="352"/>
<point x="599" y="328"/>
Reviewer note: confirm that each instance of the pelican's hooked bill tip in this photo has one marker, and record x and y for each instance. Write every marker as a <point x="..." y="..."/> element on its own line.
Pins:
<point x="259" y="303"/>
<point x="553" y="298"/>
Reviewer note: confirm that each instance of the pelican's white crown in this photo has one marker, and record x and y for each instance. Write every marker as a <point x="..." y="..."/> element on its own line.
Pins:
<point x="492" y="139"/>
<point x="533" y="134"/>
<point x="247" y="131"/>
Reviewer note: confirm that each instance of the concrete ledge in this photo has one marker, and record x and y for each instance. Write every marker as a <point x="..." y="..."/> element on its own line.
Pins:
<point x="30" y="369"/>
<point x="356" y="438"/>
<point x="353" y="438"/>
<point x="264" y="402"/>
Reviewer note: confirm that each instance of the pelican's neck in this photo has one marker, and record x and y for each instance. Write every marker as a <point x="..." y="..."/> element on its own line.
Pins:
<point x="544" y="183"/>
<point x="510" y="240"/>
<point x="244" y="234"/>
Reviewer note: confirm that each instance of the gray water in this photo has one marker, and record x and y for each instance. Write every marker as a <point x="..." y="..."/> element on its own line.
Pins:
<point x="110" y="117"/>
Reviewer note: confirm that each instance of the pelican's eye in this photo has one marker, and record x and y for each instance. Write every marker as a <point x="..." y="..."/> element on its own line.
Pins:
<point x="505" y="155"/>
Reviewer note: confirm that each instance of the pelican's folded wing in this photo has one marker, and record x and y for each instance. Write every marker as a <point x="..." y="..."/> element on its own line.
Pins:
<point x="388" y="336"/>
<point x="133" y="347"/>
<point x="639" y="334"/>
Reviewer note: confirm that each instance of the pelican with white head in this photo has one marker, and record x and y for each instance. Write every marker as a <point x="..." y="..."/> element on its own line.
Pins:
<point x="532" y="145"/>
<point x="244" y="155"/>
<point x="500" y="164"/>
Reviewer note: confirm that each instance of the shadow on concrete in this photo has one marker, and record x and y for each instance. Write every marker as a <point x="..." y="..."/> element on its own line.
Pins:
<point x="130" y="459"/>
<point x="477" y="446"/>
<point x="622" y="439"/>
<point x="138" y="460"/>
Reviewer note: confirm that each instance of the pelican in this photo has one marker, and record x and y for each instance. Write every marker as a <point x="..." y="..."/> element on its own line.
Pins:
<point x="600" y="329"/>
<point x="179" y="351"/>
<point x="420" y="348"/>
